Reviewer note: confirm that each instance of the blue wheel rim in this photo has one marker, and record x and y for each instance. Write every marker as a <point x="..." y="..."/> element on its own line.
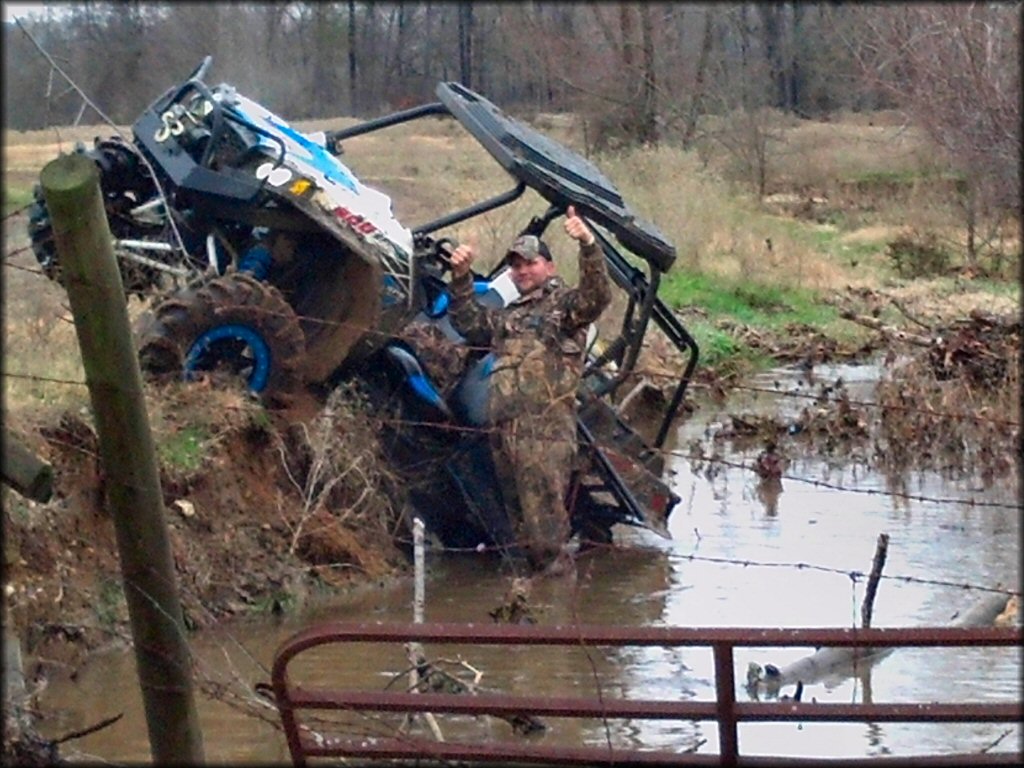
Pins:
<point x="203" y="346"/>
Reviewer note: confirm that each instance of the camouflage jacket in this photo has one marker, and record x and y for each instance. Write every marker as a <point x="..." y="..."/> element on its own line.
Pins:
<point x="538" y="340"/>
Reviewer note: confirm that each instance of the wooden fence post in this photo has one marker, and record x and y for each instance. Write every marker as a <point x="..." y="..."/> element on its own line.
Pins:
<point x="25" y="472"/>
<point x="84" y="245"/>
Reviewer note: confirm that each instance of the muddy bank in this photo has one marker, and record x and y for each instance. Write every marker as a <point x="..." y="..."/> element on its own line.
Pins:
<point x="254" y="525"/>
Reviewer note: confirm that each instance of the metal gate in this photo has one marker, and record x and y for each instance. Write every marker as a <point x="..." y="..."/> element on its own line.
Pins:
<point x="305" y="742"/>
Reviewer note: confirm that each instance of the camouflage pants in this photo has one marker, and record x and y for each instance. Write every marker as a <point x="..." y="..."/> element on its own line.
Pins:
<point x="533" y="457"/>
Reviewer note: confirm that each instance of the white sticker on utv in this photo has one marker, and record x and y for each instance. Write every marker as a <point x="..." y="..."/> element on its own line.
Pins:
<point x="276" y="177"/>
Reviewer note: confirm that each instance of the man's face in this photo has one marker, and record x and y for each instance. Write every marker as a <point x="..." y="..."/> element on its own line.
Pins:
<point x="527" y="274"/>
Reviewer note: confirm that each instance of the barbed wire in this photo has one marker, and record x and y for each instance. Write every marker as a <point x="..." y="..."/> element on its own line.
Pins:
<point x="30" y="270"/>
<point x="868" y="491"/>
<point x="680" y="453"/>
<point x="854" y="575"/>
<point x="823" y="397"/>
<point x="654" y="375"/>
<point x="45" y="379"/>
<point x="689" y="455"/>
<point x="17" y="211"/>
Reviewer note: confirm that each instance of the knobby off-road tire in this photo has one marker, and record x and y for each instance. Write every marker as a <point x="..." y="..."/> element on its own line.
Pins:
<point x="124" y="184"/>
<point x="233" y="324"/>
<point x="40" y="234"/>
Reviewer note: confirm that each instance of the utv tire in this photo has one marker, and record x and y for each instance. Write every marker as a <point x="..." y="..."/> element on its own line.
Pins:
<point x="40" y="234"/>
<point x="124" y="184"/>
<point x="232" y="323"/>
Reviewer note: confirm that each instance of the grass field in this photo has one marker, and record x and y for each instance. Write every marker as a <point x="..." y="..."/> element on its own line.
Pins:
<point x="840" y="193"/>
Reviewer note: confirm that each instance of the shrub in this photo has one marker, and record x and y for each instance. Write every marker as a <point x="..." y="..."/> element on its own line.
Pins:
<point x="914" y="255"/>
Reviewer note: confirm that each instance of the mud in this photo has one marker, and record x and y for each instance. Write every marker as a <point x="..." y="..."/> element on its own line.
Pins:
<point x="267" y="519"/>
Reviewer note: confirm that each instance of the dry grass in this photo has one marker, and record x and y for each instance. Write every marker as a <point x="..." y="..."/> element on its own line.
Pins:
<point x="431" y="167"/>
<point x="821" y="155"/>
<point x="715" y="230"/>
<point x="40" y="345"/>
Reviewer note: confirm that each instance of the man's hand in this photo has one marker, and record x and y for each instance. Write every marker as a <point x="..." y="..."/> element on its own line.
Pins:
<point x="462" y="260"/>
<point x="576" y="228"/>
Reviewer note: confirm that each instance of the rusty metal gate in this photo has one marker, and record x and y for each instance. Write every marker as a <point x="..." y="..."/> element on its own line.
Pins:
<point x="305" y="742"/>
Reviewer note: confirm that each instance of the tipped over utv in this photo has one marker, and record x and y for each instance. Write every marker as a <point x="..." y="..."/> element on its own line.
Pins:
<point x="265" y="258"/>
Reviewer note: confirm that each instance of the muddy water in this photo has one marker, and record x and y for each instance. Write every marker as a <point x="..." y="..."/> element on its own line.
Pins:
<point x="739" y="557"/>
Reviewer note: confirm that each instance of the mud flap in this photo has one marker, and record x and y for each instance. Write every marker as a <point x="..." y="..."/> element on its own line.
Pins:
<point x="620" y="468"/>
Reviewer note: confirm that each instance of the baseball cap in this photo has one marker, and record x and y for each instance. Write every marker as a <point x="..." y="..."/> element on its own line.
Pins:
<point x="530" y="247"/>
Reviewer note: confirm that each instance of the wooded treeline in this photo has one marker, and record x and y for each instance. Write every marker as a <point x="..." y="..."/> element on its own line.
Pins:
<point x="636" y="72"/>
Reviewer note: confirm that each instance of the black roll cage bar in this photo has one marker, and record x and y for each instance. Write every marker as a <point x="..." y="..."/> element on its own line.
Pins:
<point x="644" y="304"/>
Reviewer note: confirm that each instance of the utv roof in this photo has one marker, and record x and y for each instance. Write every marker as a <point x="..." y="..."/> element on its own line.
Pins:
<point x="556" y="172"/>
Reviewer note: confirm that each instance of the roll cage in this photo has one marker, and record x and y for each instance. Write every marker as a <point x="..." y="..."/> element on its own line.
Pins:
<point x="562" y="177"/>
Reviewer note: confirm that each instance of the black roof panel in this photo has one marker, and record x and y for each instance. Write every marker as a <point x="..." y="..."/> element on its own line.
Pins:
<point x="556" y="172"/>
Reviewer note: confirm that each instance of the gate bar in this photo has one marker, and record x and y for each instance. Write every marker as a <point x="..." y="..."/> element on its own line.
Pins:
<point x="725" y="710"/>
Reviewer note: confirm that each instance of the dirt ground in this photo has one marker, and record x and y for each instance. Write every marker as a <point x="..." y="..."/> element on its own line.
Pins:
<point x="237" y="547"/>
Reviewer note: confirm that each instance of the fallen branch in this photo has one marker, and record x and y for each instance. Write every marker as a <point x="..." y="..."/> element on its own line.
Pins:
<point x="903" y="310"/>
<point x="838" y="662"/>
<point x="433" y="679"/>
<point x="888" y="331"/>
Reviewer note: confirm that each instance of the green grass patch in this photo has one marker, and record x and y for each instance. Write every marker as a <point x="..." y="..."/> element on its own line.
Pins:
<point x="747" y="302"/>
<point x="886" y="178"/>
<point x="185" y="449"/>
<point x="722" y="351"/>
<point x="1010" y="289"/>
<point x="111" y="606"/>
<point x="275" y="602"/>
<point x="768" y="307"/>
<point x="16" y="198"/>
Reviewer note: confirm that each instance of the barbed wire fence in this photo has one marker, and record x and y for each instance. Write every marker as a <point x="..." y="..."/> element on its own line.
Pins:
<point x="697" y="456"/>
<point x="232" y="687"/>
<point x="228" y="684"/>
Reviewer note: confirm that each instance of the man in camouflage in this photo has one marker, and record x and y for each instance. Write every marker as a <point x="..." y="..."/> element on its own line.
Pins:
<point x="539" y="344"/>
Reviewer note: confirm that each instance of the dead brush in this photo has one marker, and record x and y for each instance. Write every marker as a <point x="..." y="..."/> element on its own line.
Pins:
<point x="339" y="507"/>
<point x="949" y="418"/>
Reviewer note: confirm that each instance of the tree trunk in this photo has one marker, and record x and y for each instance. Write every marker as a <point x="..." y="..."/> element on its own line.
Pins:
<point x="648" y="127"/>
<point x="631" y="116"/>
<point x="466" y="43"/>
<point x="972" y="224"/>
<point x="426" y="60"/>
<point x="744" y="79"/>
<point x="773" y="47"/>
<point x="400" y="45"/>
<point x="353" y="71"/>
<point x="795" y="70"/>
<point x="697" y="100"/>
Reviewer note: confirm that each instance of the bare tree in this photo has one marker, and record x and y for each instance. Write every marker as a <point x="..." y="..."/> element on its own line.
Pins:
<point x="353" y="68"/>
<point x="696" y="106"/>
<point x="743" y="96"/>
<point x="466" y="43"/>
<point x="955" y="69"/>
